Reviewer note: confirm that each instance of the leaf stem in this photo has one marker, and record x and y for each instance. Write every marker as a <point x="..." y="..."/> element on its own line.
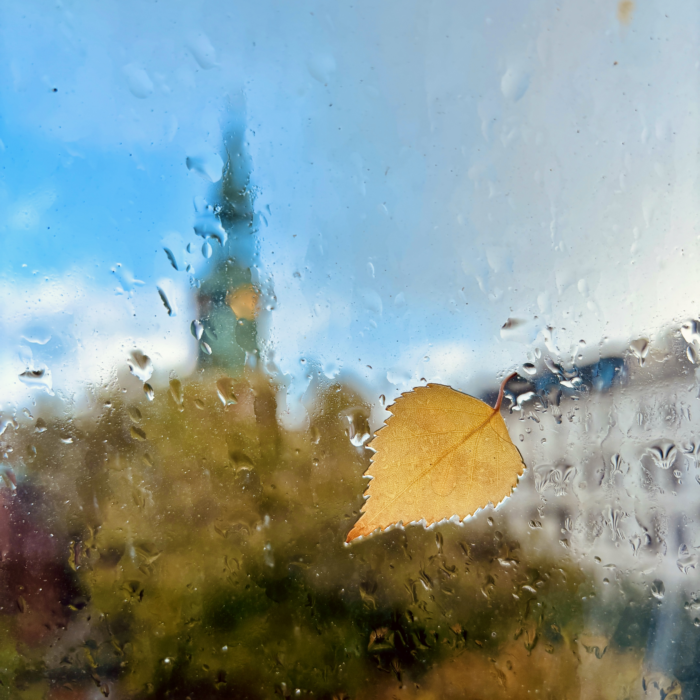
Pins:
<point x="497" y="407"/>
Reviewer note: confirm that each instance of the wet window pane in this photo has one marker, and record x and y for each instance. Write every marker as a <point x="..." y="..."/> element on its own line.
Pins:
<point x="264" y="269"/>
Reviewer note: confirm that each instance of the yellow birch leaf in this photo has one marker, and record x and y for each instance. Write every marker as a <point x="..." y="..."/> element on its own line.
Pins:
<point x="442" y="453"/>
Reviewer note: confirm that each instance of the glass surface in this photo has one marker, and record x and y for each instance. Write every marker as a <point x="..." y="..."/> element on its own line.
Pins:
<point x="234" y="234"/>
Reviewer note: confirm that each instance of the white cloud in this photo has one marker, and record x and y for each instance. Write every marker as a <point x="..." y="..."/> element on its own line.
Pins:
<point x="81" y="334"/>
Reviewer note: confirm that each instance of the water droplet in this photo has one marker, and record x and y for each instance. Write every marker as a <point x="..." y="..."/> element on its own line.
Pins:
<point x="517" y="329"/>
<point x="616" y="465"/>
<point x="140" y="365"/>
<point x="693" y="451"/>
<point x="640" y="349"/>
<point x="197" y="329"/>
<point x="206" y="249"/>
<point x="8" y="476"/>
<point x="37" y="335"/>
<point x="208" y="165"/>
<point x="241" y="462"/>
<point x="40" y="426"/>
<point x="398" y="376"/>
<point x="658" y="590"/>
<point x="330" y="369"/>
<point x="372" y="302"/>
<point x="691" y="333"/>
<point x="171" y="257"/>
<point x="523" y="399"/>
<point x="127" y="281"/>
<point x="687" y="559"/>
<point x="177" y="393"/>
<point x="7" y="421"/>
<point x="321" y="66"/>
<point x="514" y="83"/>
<point x="202" y="51"/>
<point x="207" y="223"/>
<point x="529" y="368"/>
<point x="166" y="302"/>
<point x="40" y="378"/>
<point x="138" y="81"/>
<point x="205" y="347"/>
<point x="268" y="555"/>
<point x="692" y="354"/>
<point x="224" y="390"/>
<point x="137" y="433"/>
<point x="551" y="365"/>
<point x="148" y="390"/>
<point x="664" y="455"/>
<point x="134" y="414"/>
<point x="358" y="431"/>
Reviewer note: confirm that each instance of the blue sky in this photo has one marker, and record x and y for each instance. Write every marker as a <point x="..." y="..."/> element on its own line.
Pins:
<point x="431" y="170"/>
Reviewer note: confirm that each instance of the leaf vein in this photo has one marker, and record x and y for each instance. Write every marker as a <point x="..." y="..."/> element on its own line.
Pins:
<point x="430" y="468"/>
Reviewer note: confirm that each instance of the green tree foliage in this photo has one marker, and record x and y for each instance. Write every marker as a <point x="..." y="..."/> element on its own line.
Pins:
<point x="197" y="550"/>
